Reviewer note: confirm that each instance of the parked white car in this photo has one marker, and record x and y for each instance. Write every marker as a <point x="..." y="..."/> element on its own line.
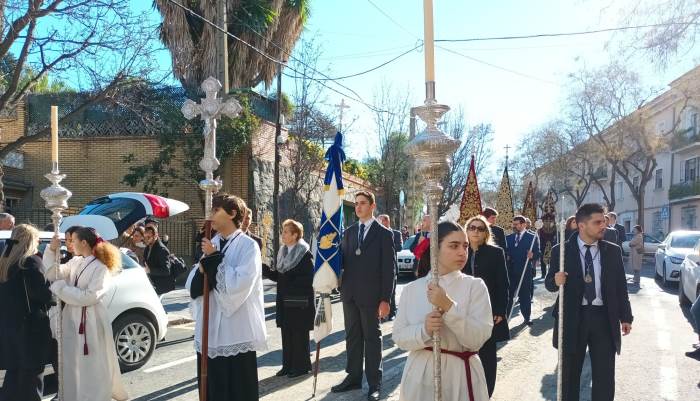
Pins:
<point x="135" y="312"/>
<point x="689" y="280"/>
<point x="671" y="253"/>
<point x="650" y="244"/>
<point x="405" y="257"/>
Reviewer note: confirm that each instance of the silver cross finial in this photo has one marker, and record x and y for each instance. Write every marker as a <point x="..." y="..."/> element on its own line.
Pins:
<point x="210" y="110"/>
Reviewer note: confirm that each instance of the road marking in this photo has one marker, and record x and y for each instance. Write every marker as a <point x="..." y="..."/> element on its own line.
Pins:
<point x="170" y="364"/>
<point x="668" y="375"/>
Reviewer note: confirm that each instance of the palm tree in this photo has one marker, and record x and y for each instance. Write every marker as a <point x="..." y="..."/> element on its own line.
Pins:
<point x="273" y="26"/>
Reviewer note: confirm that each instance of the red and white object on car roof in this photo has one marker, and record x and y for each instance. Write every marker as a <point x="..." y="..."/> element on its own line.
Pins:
<point x="155" y="205"/>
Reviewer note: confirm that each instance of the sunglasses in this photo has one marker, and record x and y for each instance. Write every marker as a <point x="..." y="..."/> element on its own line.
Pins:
<point x="480" y="229"/>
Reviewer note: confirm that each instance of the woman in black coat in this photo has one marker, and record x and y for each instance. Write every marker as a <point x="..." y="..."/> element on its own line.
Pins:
<point x="294" y="274"/>
<point x="488" y="262"/>
<point x="25" y="337"/>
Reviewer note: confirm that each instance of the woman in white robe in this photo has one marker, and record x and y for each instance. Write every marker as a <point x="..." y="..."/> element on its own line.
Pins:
<point x="464" y="320"/>
<point x="90" y="367"/>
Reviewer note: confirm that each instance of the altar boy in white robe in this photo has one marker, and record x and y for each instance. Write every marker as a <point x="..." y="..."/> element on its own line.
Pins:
<point x="236" y="310"/>
<point x="464" y="320"/>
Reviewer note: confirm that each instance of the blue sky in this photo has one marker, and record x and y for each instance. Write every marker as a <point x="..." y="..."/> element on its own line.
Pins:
<point x="521" y="89"/>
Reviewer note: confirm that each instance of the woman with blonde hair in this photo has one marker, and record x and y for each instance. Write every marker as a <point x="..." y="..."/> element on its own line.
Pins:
<point x="90" y="368"/>
<point x="25" y="336"/>
<point x="294" y="273"/>
<point x="487" y="261"/>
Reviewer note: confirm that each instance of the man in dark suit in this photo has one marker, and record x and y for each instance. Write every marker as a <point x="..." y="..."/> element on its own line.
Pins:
<point x="366" y="285"/>
<point x="499" y="236"/>
<point x="596" y="304"/>
<point x="398" y="244"/>
<point x="245" y="227"/>
<point x="522" y="248"/>
<point x="621" y="234"/>
<point x="610" y="234"/>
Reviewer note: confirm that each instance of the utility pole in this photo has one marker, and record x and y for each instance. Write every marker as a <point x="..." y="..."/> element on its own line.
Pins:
<point x="276" y="189"/>
<point x="222" y="47"/>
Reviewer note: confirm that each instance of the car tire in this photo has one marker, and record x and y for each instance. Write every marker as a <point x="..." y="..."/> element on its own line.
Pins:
<point x="656" y="270"/>
<point x="682" y="299"/>
<point x="664" y="283"/>
<point x="134" y="340"/>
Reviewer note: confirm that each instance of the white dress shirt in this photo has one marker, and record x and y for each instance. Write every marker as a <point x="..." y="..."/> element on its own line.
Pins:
<point x="597" y="268"/>
<point x="368" y="224"/>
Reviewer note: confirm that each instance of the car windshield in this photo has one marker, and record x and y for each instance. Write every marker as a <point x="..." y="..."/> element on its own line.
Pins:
<point x="407" y="244"/>
<point x="122" y="211"/>
<point x="649" y="238"/>
<point x="685" y="241"/>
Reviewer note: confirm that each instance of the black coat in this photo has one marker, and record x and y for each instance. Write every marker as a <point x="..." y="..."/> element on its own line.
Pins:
<point x="614" y="291"/>
<point x="294" y="282"/>
<point x="398" y="240"/>
<point x="490" y="266"/>
<point x="157" y="259"/>
<point x="499" y="236"/>
<point x="368" y="278"/>
<point x="14" y="310"/>
<point x="621" y="235"/>
<point x="610" y="235"/>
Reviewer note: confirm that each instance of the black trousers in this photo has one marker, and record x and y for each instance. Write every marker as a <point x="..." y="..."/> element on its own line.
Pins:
<point x="594" y="335"/>
<point x="231" y="378"/>
<point x="487" y="354"/>
<point x="363" y="340"/>
<point x="23" y="384"/>
<point x="392" y="306"/>
<point x="295" y="350"/>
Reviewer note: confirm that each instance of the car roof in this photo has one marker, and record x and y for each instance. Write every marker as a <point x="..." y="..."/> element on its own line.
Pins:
<point x="5" y="234"/>
<point x="684" y="232"/>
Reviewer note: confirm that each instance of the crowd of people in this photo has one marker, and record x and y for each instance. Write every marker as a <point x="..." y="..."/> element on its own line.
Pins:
<point x="483" y="274"/>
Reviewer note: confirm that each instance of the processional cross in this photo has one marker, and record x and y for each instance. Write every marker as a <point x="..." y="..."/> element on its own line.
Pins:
<point x="210" y="109"/>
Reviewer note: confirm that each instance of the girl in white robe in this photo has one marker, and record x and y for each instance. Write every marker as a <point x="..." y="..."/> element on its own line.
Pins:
<point x="465" y="323"/>
<point x="90" y="367"/>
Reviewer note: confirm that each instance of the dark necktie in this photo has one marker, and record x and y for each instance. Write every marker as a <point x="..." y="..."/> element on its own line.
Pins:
<point x="362" y="234"/>
<point x="590" y="287"/>
<point x="222" y="243"/>
<point x="517" y="239"/>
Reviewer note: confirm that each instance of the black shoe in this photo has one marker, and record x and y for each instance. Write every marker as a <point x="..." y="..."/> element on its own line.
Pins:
<point x="282" y="372"/>
<point x="346" y="385"/>
<point x="373" y="394"/>
<point x="693" y="354"/>
<point x="528" y="322"/>
<point x="293" y="375"/>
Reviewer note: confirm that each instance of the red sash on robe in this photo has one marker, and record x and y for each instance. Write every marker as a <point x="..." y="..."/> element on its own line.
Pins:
<point x="464" y="356"/>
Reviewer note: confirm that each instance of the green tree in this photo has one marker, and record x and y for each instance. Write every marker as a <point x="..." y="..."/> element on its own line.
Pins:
<point x="273" y="26"/>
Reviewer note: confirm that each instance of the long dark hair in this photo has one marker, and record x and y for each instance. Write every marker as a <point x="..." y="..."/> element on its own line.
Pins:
<point x="444" y="229"/>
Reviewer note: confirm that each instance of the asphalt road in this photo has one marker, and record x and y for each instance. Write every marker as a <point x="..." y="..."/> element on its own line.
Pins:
<point x="652" y="365"/>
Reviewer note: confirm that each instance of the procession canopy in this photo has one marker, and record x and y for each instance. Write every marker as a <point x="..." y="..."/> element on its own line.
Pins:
<point x="529" y="206"/>
<point x="471" y="200"/>
<point x="504" y="203"/>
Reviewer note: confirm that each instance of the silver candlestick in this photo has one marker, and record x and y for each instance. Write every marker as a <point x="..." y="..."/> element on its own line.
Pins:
<point x="56" y="198"/>
<point x="431" y="150"/>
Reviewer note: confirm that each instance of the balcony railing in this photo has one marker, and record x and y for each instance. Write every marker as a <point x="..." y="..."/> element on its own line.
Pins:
<point x="683" y="190"/>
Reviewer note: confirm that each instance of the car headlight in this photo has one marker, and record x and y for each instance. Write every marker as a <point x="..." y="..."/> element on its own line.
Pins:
<point x="676" y="261"/>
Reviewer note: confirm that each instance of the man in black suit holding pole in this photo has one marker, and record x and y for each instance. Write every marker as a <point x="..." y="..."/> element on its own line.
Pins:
<point x="366" y="286"/>
<point x="596" y="304"/>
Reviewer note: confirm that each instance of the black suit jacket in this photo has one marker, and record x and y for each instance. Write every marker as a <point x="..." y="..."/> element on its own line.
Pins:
<point x="610" y="235"/>
<point x="490" y="266"/>
<point x="398" y="241"/>
<point x="621" y="235"/>
<point x="499" y="236"/>
<point x="614" y="291"/>
<point x="368" y="278"/>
